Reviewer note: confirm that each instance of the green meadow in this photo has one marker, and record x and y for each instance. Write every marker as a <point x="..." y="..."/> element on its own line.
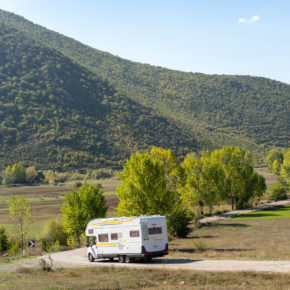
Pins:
<point x="283" y="212"/>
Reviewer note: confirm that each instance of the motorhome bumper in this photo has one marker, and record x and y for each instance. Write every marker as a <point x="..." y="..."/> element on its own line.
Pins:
<point x="155" y="254"/>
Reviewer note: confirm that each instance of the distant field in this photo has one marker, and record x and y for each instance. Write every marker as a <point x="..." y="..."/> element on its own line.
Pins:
<point x="46" y="201"/>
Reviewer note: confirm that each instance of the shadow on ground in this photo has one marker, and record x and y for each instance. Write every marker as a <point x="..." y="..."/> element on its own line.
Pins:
<point x="234" y="225"/>
<point x="156" y="261"/>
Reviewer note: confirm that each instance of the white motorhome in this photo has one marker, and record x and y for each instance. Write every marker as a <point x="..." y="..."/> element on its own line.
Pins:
<point x="127" y="238"/>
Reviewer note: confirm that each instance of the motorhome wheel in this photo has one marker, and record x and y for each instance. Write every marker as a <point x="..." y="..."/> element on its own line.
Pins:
<point x="91" y="258"/>
<point x="128" y="259"/>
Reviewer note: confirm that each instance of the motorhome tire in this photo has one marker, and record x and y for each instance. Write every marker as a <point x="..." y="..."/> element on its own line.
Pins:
<point x="148" y="259"/>
<point x="121" y="259"/>
<point x="128" y="259"/>
<point x="91" y="258"/>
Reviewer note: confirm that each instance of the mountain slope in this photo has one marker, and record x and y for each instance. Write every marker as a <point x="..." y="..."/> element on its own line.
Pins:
<point x="57" y="114"/>
<point x="224" y="110"/>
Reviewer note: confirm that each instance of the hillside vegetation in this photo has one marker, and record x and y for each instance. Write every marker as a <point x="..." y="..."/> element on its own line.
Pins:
<point x="55" y="113"/>
<point x="251" y="112"/>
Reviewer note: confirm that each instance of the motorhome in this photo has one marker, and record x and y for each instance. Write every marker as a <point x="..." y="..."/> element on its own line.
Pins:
<point x="127" y="238"/>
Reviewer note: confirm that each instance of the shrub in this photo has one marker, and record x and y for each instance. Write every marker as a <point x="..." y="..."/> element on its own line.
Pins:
<point x="278" y="191"/>
<point x="53" y="177"/>
<point x="77" y="184"/>
<point x="199" y="246"/>
<point x="102" y="173"/>
<point x="178" y="222"/>
<point x="40" y="177"/>
<point x="7" y="179"/>
<point x="31" y="174"/>
<point x="14" y="249"/>
<point x="17" y="171"/>
<point x="53" y="232"/>
<point x="3" y="240"/>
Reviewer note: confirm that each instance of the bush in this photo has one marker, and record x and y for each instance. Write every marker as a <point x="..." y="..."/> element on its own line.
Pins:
<point x="7" y="179"/>
<point x="31" y="174"/>
<point x="102" y="173"/>
<point x="53" y="177"/>
<point x="14" y="249"/>
<point x="40" y="177"/>
<point x="178" y="222"/>
<point x="199" y="246"/>
<point x="3" y="240"/>
<point x="278" y="191"/>
<point x="53" y="232"/>
<point x="77" y="184"/>
<point x="17" y="171"/>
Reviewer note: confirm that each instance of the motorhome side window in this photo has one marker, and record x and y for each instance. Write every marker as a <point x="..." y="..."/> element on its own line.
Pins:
<point x="114" y="236"/>
<point x="134" y="234"/>
<point x="103" y="238"/>
<point x="154" y="231"/>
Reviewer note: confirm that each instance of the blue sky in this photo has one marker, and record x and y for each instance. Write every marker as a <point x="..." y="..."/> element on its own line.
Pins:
<point x="249" y="37"/>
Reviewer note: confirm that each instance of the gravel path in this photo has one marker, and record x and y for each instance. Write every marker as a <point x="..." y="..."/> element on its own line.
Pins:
<point x="245" y="211"/>
<point x="78" y="257"/>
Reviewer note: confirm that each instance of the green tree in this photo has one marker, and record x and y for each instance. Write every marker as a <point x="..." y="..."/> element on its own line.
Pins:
<point x="285" y="168"/>
<point x="21" y="213"/>
<point x="17" y="172"/>
<point x="204" y="181"/>
<point x="149" y="184"/>
<point x="276" y="167"/>
<point x="241" y="182"/>
<point x="274" y="154"/>
<point x="82" y="205"/>
<point x="278" y="191"/>
<point x="30" y="174"/>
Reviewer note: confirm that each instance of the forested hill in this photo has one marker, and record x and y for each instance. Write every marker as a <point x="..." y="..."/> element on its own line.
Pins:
<point x="248" y="111"/>
<point x="55" y="113"/>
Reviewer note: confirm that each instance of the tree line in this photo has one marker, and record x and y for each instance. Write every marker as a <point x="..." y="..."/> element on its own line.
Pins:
<point x="156" y="182"/>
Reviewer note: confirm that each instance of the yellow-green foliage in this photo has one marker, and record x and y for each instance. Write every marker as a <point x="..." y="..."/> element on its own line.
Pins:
<point x="82" y="205"/>
<point x="54" y="231"/>
<point x="31" y="174"/>
<point x="20" y="211"/>
<point x="16" y="171"/>
<point x="149" y="185"/>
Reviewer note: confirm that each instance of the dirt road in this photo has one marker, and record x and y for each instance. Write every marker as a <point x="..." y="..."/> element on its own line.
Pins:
<point x="78" y="257"/>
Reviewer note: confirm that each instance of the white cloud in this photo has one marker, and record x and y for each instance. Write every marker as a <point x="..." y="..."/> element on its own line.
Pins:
<point x="251" y="20"/>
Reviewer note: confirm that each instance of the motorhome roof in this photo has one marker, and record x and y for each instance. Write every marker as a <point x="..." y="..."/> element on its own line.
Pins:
<point x="125" y="218"/>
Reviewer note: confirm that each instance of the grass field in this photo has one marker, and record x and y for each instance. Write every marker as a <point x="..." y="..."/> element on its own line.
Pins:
<point x="46" y="201"/>
<point x="283" y="212"/>
<point x="124" y="278"/>
<point x="250" y="239"/>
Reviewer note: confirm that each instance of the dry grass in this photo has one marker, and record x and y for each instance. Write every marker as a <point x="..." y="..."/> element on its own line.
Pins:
<point x="256" y="239"/>
<point x="124" y="278"/>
